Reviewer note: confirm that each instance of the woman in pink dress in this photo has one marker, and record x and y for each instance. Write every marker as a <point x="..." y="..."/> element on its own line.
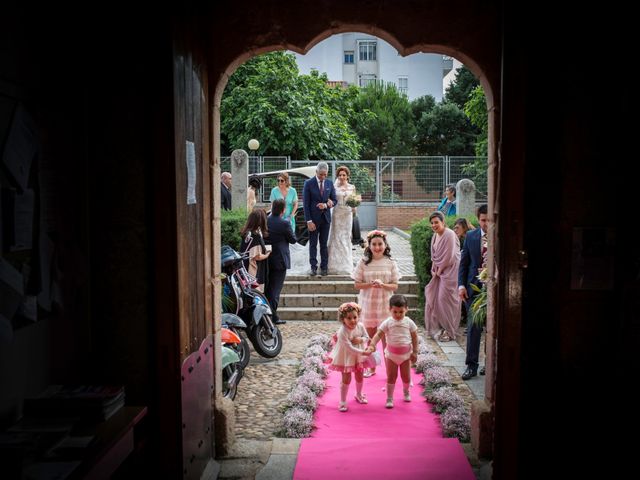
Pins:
<point x="442" y="303"/>
<point x="348" y="354"/>
<point x="376" y="276"/>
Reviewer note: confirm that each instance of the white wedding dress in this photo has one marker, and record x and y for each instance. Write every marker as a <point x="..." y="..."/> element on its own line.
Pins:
<point x="340" y="254"/>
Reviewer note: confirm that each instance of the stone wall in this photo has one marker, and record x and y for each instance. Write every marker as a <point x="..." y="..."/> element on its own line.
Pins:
<point x="401" y="216"/>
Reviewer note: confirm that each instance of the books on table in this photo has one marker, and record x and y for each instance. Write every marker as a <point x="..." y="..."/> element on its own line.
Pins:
<point x="91" y="402"/>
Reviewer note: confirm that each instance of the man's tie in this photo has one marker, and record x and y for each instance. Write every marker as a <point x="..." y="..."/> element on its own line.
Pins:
<point x="322" y="188"/>
<point x="484" y="248"/>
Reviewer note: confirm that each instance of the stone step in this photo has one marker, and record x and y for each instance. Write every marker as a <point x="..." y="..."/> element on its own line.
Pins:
<point x="333" y="278"/>
<point x="318" y="313"/>
<point x="313" y="287"/>
<point x="334" y="300"/>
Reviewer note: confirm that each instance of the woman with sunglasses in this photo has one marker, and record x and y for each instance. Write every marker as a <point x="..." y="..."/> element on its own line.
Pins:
<point x="285" y="191"/>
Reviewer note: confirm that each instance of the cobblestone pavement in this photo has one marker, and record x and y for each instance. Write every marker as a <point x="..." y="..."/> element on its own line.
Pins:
<point x="266" y="383"/>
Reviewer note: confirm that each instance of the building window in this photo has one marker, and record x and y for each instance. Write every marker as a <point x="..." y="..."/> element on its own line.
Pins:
<point x="348" y="56"/>
<point x="403" y="85"/>
<point x="366" y="79"/>
<point x="367" y="51"/>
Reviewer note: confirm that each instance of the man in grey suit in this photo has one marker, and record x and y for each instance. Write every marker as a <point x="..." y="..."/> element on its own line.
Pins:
<point x="279" y="237"/>
<point x="225" y="190"/>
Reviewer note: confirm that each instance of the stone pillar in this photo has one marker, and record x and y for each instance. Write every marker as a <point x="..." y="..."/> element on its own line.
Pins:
<point x="465" y="198"/>
<point x="240" y="173"/>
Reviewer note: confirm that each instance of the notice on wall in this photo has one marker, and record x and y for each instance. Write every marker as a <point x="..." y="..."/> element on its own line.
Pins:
<point x="592" y="259"/>
<point x="191" y="173"/>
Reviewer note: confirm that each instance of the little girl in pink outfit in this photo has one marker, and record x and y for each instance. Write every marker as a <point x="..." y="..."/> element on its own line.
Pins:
<point x="402" y="346"/>
<point x="348" y="353"/>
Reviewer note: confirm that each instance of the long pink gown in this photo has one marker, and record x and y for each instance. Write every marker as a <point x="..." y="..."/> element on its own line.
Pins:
<point x="442" y="303"/>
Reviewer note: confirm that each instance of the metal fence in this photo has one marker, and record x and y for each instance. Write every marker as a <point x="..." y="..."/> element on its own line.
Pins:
<point x="387" y="179"/>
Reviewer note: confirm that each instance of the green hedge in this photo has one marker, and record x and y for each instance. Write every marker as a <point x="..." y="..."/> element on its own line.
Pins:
<point x="421" y="234"/>
<point x="231" y="223"/>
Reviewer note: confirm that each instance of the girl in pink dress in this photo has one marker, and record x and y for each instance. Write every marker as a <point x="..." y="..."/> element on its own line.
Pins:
<point x="348" y="353"/>
<point x="376" y="276"/>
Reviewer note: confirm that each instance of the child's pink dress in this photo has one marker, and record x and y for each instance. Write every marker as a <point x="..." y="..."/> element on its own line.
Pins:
<point x="346" y="357"/>
<point x="375" y="301"/>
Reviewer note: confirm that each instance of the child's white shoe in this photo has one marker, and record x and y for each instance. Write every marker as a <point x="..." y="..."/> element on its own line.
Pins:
<point x="343" y="407"/>
<point x="407" y="396"/>
<point x="389" y="403"/>
<point x="362" y="398"/>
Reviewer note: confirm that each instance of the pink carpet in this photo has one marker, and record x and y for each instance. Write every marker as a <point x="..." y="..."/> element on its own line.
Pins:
<point x="372" y="442"/>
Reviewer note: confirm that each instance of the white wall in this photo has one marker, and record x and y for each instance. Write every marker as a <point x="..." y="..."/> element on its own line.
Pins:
<point x="424" y="71"/>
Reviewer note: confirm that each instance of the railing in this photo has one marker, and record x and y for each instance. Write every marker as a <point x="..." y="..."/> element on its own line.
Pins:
<point x="387" y="179"/>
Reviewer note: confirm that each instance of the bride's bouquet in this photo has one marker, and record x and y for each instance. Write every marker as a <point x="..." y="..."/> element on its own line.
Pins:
<point x="353" y="200"/>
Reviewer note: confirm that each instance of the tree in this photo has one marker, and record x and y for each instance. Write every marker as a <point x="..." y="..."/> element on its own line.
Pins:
<point x="445" y="130"/>
<point x="459" y="90"/>
<point x="422" y="105"/>
<point x="291" y="114"/>
<point x="476" y="110"/>
<point x="383" y="121"/>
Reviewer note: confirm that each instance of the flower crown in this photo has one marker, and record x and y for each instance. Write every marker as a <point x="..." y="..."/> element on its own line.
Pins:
<point x="348" y="306"/>
<point x="376" y="233"/>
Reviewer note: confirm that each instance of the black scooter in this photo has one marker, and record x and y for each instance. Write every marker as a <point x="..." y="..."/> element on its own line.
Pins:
<point x="240" y="297"/>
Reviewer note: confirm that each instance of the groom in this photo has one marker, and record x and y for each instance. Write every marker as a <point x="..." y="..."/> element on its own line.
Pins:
<point x="319" y="197"/>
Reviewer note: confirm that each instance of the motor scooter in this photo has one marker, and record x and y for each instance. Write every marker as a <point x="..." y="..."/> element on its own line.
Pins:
<point x="241" y="297"/>
<point x="232" y="369"/>
<point x="237" y="326"/>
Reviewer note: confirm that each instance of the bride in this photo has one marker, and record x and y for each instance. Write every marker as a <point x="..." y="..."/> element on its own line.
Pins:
<point x="340" y="256"/>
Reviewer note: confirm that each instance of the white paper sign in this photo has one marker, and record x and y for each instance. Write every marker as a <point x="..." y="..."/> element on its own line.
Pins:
<point x="191" y="173"/>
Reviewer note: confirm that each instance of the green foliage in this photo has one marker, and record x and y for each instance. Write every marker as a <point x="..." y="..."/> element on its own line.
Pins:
<point x="422" y="105"/>
<point x="384" y="121"/>
<point x="290" y="114"/>
<point x="445" y="130"/>
<point x="421" y="234"/>
<point x="231" y="223"/>
<point x="479" y="305"/>
<point x="476" y="110"/>
<point x="460" y="89"/>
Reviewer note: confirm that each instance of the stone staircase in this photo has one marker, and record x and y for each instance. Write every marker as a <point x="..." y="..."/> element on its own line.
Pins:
<point x="318" y="298"/>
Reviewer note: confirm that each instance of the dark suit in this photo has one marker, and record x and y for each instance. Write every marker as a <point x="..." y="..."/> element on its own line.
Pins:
<point x="321" y="218"/>
<point x="470" y="265"/>
<point x="225" y="196"/>
<point x="280" y="236"/>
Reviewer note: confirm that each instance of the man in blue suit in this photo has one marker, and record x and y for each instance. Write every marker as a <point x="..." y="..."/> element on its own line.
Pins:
<point x="472" y="260"/>
<point x="279" y="237"/>
<point x="319" y="197"/>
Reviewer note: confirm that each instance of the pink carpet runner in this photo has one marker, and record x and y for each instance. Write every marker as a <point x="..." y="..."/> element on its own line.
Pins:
<point x="372" y="442"/>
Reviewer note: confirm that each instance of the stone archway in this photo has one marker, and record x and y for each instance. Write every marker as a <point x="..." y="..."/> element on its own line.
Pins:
<point x="468" y="35"/>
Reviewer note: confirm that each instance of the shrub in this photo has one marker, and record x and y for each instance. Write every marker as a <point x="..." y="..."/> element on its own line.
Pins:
<point x="312" y="380"/>
<point x="456" y="423"/>
<point x="320" y="339"/>
<point x="312" y="364"/>
<point x="436" y="377"/>
<point x="231" y="223"/>
<point x="297" y="423"/>
<point x="426" y="361"/>
<point x="301" y="397"/>
<point x="314" y="351"/>
<point x="445" y="398"/>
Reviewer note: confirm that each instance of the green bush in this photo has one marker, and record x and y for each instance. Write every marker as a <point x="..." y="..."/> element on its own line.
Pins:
<point x="421" y="234"/>
<point x="231" y="223"/>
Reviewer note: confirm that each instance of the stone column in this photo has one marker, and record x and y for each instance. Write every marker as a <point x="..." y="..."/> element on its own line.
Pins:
<point x="465" y="198"/>
<point x="239" y="172"/>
